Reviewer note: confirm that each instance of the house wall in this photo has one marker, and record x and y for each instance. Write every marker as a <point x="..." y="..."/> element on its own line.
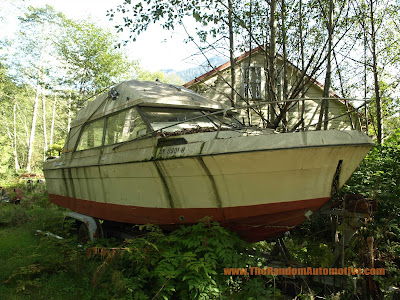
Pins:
<point x="217" y="88"/>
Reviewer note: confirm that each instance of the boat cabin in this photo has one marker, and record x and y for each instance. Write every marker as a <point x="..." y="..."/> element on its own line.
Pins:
<point x="139" y="109"/>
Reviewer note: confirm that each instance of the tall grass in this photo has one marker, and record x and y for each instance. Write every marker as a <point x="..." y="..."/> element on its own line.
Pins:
<point x="37" y="266"/>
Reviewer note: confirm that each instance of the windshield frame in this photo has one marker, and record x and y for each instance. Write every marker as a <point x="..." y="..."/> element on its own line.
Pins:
<point x="211" y="116"/>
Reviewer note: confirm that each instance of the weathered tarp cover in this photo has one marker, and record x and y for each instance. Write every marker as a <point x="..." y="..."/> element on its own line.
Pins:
<point x="136" y="92"/>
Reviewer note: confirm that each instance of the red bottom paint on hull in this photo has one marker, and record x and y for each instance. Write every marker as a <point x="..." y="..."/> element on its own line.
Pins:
<point x="252" y="223"/>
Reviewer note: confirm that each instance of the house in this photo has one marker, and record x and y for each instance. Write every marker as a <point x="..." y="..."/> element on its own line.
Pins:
<point x="251" y="87"/>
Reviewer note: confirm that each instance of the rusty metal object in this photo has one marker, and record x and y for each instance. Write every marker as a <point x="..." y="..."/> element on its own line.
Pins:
<point x="18" y="196"/>
<point x="15" y="199"/>
<point x="356" y="203"/>
<point x="353" y="209"/>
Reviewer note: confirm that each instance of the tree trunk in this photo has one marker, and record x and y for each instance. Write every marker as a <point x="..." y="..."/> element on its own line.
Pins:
<point x="376" y="81"/>
<point x="23" y="120"/>
<point x="302" y="95"/>
<point x="33" y="126"/>
<point x="272" y="60"/>
<point x="45" y="146"/>
<point x="365" y="68"/>
<point x="69" y="113"/>
<point x="16" y="163"/>
<point x="231" y="53"/>
<point x="329" y="65"/>
<point x="53" y="120"/>
<point x="247" y="73"/>
<point x="324" y="113"/>
<point x="285" y="62"/>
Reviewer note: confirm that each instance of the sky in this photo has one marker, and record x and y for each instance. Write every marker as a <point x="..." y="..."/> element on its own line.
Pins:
<point x="156" y="49"/>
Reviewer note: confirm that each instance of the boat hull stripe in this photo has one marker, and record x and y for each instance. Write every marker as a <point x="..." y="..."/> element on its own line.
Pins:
<point x="251" y="222"/>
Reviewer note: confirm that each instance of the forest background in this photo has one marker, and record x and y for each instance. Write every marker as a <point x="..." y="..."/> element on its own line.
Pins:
<point x="56" y="64"/>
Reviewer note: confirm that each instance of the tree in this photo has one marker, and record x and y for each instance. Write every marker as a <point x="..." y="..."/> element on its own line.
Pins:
<point x="375" y="73"/>
<point x="159" y="75"/>
<point x="90" y="59"/>
<point x="5" y="101"/>
<point x="325" y="103"/>
<point x="375" y="33"/>
<point x="14" y="129"/>
<point x="36" y="44"/>
<point x="272" y="74"/>
<point x="53" y="56"/>
<point x="233" y="21"/>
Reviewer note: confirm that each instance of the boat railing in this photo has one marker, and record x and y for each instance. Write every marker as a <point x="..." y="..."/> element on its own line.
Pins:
<point x="350" y="110"/>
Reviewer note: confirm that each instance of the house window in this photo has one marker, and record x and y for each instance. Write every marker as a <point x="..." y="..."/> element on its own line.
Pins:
<point x="252" y="82"/>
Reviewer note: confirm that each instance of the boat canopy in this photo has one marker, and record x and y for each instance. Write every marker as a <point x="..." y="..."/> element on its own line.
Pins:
<point x="143" y="93"/>
<point x="162" y="104"/>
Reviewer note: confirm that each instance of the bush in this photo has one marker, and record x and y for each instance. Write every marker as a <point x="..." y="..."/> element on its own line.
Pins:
<point x="13" y="215"/>
<point x="378" y="177"/>
<point x="186" y="264"/>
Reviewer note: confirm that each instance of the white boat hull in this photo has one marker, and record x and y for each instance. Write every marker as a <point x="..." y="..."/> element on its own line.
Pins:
<point x="256" y="185"/>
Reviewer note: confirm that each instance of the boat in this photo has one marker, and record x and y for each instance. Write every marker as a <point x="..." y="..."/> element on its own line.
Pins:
<point x="156" y="153"/>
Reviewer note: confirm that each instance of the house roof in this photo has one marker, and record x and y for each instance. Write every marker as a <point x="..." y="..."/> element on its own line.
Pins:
<point x="220" y="68"/>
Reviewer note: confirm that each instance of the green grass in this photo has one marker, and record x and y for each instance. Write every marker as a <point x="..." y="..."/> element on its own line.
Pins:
<point x="41" y="267"/>
<point x="17" y="245"/>
<point x="35" y="266"/>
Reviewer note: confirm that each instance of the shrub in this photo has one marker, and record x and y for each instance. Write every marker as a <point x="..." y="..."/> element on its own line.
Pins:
<point x="186" y="264"/>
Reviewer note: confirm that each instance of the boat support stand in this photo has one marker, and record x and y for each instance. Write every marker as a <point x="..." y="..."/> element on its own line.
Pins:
<point x="89" y="228"/>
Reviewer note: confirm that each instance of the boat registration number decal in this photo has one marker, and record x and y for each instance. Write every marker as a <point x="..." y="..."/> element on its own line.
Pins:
<point x="172" y="151"/>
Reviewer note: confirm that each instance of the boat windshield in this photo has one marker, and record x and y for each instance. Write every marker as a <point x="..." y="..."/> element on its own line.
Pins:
<point x="190" y="120"/>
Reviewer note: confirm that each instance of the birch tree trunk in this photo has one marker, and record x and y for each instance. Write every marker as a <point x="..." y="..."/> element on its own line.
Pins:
<point x="53" y="120"/>
<point x="23" y="120"/>
<point x="378" y="100"/>
<point x="231" y="52"/>
<point x="45" y="146"/>
<point x="69" y="113"/>
<point x="33" y="126"/>
<point x="16" y="163"/>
